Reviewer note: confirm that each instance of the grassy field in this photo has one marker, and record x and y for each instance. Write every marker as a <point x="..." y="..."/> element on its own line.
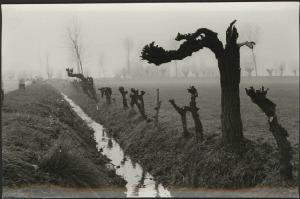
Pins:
<point x="44" y="142"/>
<point x="283" y="91"/>
<point x="175" y="161"/>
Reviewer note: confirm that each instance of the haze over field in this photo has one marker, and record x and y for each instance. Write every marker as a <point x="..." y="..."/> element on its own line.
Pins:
<point x="31" y="32"/>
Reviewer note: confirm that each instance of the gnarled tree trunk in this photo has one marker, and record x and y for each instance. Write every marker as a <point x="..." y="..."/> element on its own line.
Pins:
<point x="194" y="111"/>
<point x="229" y="67"/>
<point x="280" y="134"/>
<point x="138" y="100"/>
<point x="230" y="73"/>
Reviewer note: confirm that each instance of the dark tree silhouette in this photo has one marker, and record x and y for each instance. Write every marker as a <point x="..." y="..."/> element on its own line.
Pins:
<point x="107" y="92"/>
<point x="2" y="96"/>
<point x="194" y="111"/>
<point x="87" y="83"/>
<point x="270" y="71"/>
<point x="77" y="75"/>
<point x="123" y="93"/>
<point x="182" y="112"/>
<point x="280" y="134"/>
<point x="138" y="100"/>
<point x="229" y="67"/>
<point x="158" y="104"/>
<point x="102" y="91"/>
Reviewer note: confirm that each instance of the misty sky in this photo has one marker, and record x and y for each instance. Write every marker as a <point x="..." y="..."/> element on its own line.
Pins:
<point x="30" y="32"/>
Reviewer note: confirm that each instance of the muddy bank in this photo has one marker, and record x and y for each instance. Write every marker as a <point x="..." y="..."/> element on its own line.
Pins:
<point x="45" y="142"/>
<point x="175" y="161"/>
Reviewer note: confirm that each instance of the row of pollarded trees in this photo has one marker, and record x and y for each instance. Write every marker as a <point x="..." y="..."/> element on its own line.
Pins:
<point x="257" y="96"/>
<point x="228" y="58"/>
<point x="280" y="71"/>
<point x="184" y="71"/>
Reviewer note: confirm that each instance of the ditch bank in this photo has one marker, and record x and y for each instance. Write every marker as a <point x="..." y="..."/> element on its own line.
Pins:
<point x="175" y="161"/>
<point x="44" y="142"/>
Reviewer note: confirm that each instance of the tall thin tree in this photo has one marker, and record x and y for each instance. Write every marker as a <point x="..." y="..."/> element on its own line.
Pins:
<point x="75" y="40"/>
<point x="128" y="46"/>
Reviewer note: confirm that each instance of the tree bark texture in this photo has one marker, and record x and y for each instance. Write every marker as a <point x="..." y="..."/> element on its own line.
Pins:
<point x="280" y="134"/>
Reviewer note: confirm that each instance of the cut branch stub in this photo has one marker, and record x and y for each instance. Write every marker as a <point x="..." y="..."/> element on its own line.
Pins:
<point x="280" y="134"/>
<point x="231" y="34"/>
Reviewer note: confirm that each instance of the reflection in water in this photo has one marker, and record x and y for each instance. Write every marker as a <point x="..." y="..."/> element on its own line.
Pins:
<point x="139" y="182"/>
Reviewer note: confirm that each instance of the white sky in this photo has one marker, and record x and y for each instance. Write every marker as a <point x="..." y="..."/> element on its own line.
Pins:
<point x="30" y="31"/>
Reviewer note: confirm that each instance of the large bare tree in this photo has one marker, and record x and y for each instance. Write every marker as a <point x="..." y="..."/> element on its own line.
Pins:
<point x="228" y="58"/>
<point x="75" y="41"/>
<point x="252" y="33"/>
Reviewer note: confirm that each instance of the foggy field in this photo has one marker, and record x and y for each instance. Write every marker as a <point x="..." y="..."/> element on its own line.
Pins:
<point x="10" y="85"/>
<point x="164" y="100"/>
<point x="284" y="92"/>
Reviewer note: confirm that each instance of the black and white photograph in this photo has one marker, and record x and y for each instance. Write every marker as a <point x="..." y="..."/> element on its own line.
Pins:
<point x="150" y="99"/>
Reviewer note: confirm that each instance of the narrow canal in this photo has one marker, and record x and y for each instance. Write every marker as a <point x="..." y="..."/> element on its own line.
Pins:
<point x="139" y="182"/>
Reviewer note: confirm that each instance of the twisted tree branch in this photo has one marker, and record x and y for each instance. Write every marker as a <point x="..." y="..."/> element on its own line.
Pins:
<point x="208" y="39"/>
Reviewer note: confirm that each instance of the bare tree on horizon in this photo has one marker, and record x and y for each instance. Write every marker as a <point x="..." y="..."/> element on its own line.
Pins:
<point x="75" y="41"/>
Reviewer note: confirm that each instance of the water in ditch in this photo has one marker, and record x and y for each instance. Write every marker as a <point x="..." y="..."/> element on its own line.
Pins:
<point x="139" y="182"/>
